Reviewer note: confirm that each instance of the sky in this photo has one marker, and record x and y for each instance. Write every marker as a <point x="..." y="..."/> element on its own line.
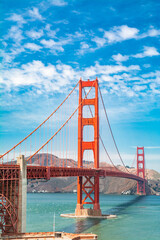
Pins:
<point x="47" y="46"/>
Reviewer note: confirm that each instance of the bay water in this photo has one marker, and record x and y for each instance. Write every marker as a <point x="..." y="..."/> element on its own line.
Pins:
<point x="138" y="218"/>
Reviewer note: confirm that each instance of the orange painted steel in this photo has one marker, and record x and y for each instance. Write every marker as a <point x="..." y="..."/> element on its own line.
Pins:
<point x="141" y="170"/>
<point x="9" y="195"/>
<point x="88" y="188"/>
<point x="44" y="172"/>
<point x="88" y="145"/>
<point x="1" y="156"/>
<point x="8" y="216"/>
<point x="91" y="102"/>
<point x="64" y="124"/>
<point x="87" y="178"/>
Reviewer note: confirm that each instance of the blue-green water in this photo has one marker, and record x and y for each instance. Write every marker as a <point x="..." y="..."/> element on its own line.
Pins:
<point x="138" y="217"/>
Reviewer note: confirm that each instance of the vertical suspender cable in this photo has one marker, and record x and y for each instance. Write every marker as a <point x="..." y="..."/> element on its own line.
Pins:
<point x="42" y="122"/>
<point x="111" y="129"/>
<point x="61" y="126"/>
<point x="66" y="144"/>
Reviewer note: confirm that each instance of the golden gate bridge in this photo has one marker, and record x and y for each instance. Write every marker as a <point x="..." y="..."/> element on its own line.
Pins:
<point x="79" y="149"/>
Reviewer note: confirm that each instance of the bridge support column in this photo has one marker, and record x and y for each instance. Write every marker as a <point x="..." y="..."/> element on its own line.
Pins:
<point x="141" y="171"/>
<point x="96" y="205"/>
<point x="22" y="194"/>
<point x="88" y="186"/>
<point x="79" y="195"/>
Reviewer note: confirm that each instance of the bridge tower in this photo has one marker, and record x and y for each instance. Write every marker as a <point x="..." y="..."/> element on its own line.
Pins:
<point x="13" y="190"/>
<point x="141" y="170"/>
<point x="88" y="186"/>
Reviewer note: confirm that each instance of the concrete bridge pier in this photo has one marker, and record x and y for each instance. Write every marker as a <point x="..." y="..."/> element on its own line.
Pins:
<point x="22" y="194"/>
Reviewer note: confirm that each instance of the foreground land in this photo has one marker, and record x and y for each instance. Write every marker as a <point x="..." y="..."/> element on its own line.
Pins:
<point x="50" y="236"/>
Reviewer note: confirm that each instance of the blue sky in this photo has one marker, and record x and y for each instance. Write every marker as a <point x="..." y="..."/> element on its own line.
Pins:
<point x="46" y="46"/>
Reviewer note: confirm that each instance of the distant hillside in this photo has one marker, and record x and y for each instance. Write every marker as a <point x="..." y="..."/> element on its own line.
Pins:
<point x="108" y="185"/>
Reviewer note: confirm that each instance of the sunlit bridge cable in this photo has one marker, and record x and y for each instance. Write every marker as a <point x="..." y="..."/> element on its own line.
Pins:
<point x="107" y="153"/>
<point x="61" y="126"/>
<point x="111" y="129"/>
<point x="42" y="122"/>
<point x="101" y="138"/>
<point x="132" y="165"/>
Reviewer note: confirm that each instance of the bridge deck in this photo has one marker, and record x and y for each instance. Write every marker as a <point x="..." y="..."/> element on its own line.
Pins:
<point x="42" y="172"/>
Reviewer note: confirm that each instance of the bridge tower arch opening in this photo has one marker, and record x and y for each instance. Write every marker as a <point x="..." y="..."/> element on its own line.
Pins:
<point x="88" y="186"/>
<point x="141" y="171"/>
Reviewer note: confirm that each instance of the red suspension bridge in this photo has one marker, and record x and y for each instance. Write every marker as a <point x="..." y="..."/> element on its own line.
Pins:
<point x="85" y="151"/>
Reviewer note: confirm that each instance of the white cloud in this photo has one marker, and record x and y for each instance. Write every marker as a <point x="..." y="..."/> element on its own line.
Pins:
<point x="76" y="36"/>
<point x="14" y="46"/>
<point x="16" y="51"/>
<point x="58" y="3"/>
<point x="38" y="74"/>
<point x="139" y="88"/>
<point x="84" y="48"/>
<point x="44" y="77"/>
<point x="155" y="74"/>
<point x="120" y="33"/>
<point x="48" y="43"/>
<point x="34" y="34"/>
<point x="51" y="44"/>
<point x="7" y="58"/>
<point x="120" y="58"/>
<point x="16" y="18"/>
<point x="57" y="46"/>
<point x="32" y="46"/>
<point x="76" y="12"/>
<point x="15" y="33"/>
<point x="147" y="65"/>
<point x="153" y="78"/>
<point x="152" y="147"/>
<point x="28" y="74"/>
<point x="115" y="34"/>
<point x="100" y="70"/>
<point x="84" y="45"/>
<point x="64" y="21"/>
<point x="51" y="33"/>
<point x="34" y="13"/>
<point x="99" y="41"/>
<point x="115" y="78"/>
<point x="148" y="52"/>
<point x="155" y="88"/>
<point x="151" y="51"/>
<point x="153" y="32"/>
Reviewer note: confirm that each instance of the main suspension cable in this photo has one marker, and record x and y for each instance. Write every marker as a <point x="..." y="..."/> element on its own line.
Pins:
<point x="42" y="122"/>
<point x="100" y="137"/>
<point x="111" y="129"/>
<point x="61" y="126"/>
